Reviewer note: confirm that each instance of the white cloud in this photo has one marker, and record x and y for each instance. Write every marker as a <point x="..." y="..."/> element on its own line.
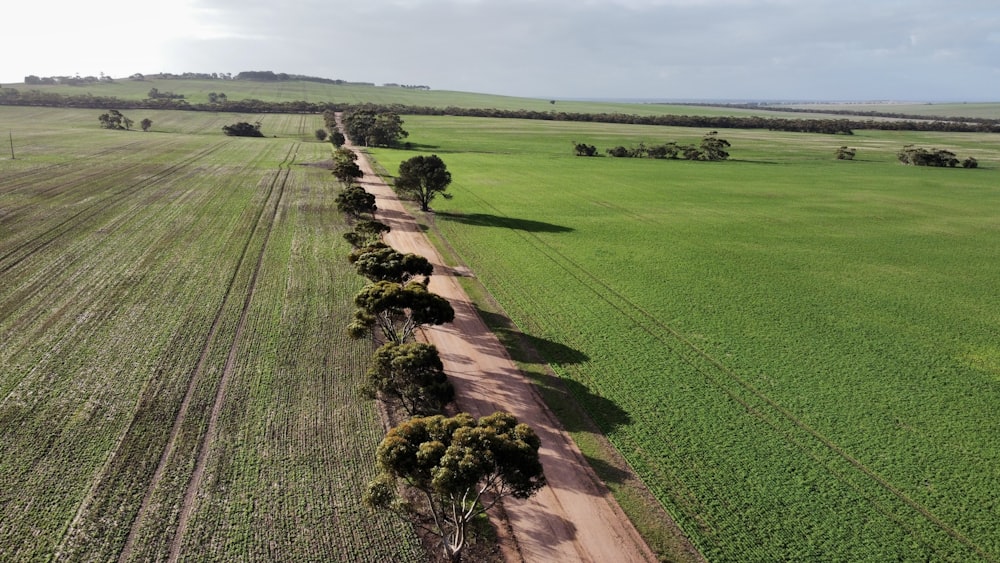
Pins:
<point x="546" y="48"/>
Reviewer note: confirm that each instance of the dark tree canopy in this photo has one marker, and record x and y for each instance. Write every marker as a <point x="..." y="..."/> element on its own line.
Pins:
<point x="380" y="262"/>
<point x="114" y="120"/>
<point x="146" y="123"/>
<point x="462" y="467"/>
<point x="345" y="166"/>
<point x="919" y="156"/>
<point x="366" y="233"/>
<point x="347" y="171"/>
<point x="374" y="128"/>
<point x="846" y="153"/>
<point x="711" y="148"/>
<point x="714" y="148"/>
<point x="243" y="129"/>
<point x="397" y="310"/>
<point x="412" y="374"/>
<point x="355" y="201"/>
<point x="422" y="178"/>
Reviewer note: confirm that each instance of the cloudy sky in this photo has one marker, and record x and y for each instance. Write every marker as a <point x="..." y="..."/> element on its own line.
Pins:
<point x="921" y="50"/>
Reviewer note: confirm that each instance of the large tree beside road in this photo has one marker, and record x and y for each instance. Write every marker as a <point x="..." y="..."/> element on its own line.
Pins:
<point x="423" y="178"/>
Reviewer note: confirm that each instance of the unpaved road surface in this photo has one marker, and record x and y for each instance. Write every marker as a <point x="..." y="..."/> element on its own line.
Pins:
<point x="574" y="518"/>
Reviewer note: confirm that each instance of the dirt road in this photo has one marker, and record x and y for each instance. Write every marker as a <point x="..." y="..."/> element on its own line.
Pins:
<point x="574" y="518"/>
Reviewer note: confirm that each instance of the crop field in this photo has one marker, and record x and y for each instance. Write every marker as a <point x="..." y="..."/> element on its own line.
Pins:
<point x="175" y="378"/>
<point x="798" y="355"/>
<point x="197" y="91"/>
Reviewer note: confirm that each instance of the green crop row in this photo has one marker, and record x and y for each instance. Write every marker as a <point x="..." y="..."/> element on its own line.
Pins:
<point x="796" y="354"/>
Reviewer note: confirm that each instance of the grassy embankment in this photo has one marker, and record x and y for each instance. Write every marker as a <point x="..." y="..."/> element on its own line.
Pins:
<point x="797" y="354"/>
<point x="140" y="273"/>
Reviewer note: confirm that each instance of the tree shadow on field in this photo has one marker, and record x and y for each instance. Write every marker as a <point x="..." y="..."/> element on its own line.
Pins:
<point x="577" y="407"/>
<point x="487" y="220"/>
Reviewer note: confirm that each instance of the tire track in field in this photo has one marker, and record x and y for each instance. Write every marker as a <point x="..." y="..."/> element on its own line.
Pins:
<point x="187" y="507"/>
<point x="589" y="280"/>
<point x="49" y="236"/>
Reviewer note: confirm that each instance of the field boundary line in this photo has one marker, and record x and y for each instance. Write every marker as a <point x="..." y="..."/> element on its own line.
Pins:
<point x="537" y="242"/>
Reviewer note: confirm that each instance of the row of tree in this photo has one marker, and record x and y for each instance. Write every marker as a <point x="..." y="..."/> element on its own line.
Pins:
<point x="12" y="96"/>
<point x="712" y="147"/>
<point x="856" y="112"/>
<point x="369" y="127"/>
<point x="825" y="126"/>
<point x="114" y="119"/>
<point x="433" y="468"/>
<point x="77" y="80"/>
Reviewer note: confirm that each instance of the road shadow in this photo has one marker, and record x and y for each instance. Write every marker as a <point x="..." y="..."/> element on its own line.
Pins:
<point x="487" y="220"/>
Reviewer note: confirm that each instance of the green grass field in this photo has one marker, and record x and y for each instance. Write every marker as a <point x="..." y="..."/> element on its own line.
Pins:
<point x="169" y="294"/>
<point x="798" y="355"/>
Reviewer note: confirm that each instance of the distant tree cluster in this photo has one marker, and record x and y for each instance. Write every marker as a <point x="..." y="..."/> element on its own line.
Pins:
<point x="845" y="153"/>
<point x="183" y="76"/>
<point x="155" y="94"/>
<point x="406" y="86"/>
<point x="115" y="120"/>
<point x="243" y="129"/>
<point x="270" y="76"/>
<point x="371" y="128"/>
<point x="919" y="156"/>
<point x="263" y="76"/>
<point x="33" y="80"/>
<point x="217" y="98"/>
<point x="712" y="148"/>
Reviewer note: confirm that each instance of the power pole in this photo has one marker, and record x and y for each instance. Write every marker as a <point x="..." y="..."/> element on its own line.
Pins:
<point x="11" y="134"/>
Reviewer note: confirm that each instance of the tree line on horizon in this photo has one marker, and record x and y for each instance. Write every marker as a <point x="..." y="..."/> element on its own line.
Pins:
<point x="12" y="96"/>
